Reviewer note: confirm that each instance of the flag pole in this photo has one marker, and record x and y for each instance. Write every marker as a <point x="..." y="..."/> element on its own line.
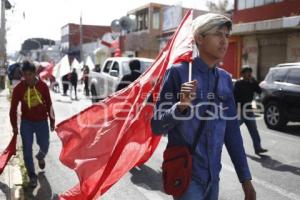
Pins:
<point x="191" y="60"/>
<point x="190" y="70"/>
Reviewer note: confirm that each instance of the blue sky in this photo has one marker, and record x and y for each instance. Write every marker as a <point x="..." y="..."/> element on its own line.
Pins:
<point x="44" y="18"/>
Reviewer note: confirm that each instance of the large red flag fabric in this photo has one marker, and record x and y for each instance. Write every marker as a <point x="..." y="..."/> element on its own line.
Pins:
<point x="106" y="140"/>
<point x="8" y="153"/>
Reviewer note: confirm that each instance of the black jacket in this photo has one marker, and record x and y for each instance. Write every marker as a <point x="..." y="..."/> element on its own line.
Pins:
<point x="127" y="79"/>
<point x="74" y="78"/>
<point x="244" y="91"/>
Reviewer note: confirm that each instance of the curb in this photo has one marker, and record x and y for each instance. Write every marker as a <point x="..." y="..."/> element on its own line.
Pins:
<point x="12" y="175"/>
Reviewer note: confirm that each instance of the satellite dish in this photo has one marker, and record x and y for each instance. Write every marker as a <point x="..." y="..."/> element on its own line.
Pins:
<point x="115" y="26"/>
<point x="126" y="23"/>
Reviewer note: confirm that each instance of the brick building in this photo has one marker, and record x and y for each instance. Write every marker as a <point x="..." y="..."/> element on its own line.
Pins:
<point x="70" y="37"/>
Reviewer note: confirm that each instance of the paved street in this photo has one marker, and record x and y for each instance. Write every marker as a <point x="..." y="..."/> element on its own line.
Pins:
<point x="276" y="176"/>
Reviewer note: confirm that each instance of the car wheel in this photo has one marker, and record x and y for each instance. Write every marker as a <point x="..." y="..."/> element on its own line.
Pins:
<point x="94" y="94"/>
<point x="274" y="117"/>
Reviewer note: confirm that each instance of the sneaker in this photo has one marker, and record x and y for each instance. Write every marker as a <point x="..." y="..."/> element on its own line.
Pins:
<point x="33" y="182"/>
<point x="260" y="151"/>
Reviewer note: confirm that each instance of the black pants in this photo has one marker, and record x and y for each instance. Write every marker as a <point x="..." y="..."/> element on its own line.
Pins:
<point x="73" y="86"/>
<point x="86" y="88"/>
<point x="65" y="88"/>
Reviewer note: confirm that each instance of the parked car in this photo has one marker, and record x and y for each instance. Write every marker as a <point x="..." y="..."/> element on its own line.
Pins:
<point x="281" y="95"/>
<point x="105" y="82"/>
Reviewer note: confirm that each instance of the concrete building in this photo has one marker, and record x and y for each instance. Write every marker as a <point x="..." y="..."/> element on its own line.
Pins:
<point x="155" y="24"/>
<point x="143" y="40"/>
<point x="266" y="33"/>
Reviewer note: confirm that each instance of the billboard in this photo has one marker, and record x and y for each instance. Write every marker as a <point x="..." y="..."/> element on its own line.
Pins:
<point x="172" y="16"/>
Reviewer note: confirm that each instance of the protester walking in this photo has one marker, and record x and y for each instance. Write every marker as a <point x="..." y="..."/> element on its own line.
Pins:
<point x="244" y="90"/>
<point x="73" y="81"/>
<point x="36" y="108"/>
<point x="85" y="79"/>
<point x="65" y="83"/>
<point x="199" y="116"/>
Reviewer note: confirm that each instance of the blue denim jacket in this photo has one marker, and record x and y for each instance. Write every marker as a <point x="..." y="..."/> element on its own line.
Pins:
<point x="223" y="128"/>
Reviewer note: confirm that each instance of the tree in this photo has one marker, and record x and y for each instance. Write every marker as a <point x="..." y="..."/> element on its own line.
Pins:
<point x="220" y="7"/>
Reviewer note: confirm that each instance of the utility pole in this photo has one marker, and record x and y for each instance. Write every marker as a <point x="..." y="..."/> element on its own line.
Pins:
<point x="3" y="45"/>
<point x="81" y="39"/>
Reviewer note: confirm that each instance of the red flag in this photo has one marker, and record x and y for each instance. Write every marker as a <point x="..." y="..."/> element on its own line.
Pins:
<point x="8" y="153"/>
<point x="47" y="72"/>
<point x="105" y="43"/>
<point x="106" y="140"/>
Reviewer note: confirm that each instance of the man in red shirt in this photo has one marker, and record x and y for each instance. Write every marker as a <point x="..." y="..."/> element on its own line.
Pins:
<point x="36" y="107"/>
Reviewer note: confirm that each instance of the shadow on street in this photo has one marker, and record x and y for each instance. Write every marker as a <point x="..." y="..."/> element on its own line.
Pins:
<point x="292" y="130"/>
<point x="270" y="163"/>
<point x="42" y="192"/>
<point x="5" y="189"/>
<point x="64" y="101"/>
<point x="147" y="178"/>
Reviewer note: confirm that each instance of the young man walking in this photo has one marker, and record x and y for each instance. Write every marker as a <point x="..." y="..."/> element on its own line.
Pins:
<point x="244" y="90"/>
<point x="36" y="107"/>
<point x="180" y="115"/>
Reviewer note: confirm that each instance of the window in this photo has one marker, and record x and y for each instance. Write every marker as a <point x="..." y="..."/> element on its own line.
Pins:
<point x="269" y="1"/>
<point x="156" y="20"/>
<point x="294" y="76"/>
<point x="107" y="66"/>
<point x="146" y="21"/>
<point x="125" y="68"/>
<point x="244" y="4"/>
<point x="145" y="65"/>
<point x="249" y="3"/>
<point x="279" y="75"/>
<point x="241" y="4"/>
<point x="116" y="67"/>
<point x="65" y="31"/>
<point x="142" y="20"/>
<point x="259" y="2"/>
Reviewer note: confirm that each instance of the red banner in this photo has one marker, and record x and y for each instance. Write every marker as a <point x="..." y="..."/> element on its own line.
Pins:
<point x="106" y="140"/>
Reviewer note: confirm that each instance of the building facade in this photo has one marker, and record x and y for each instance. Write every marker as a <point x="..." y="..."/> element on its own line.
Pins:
<point x="155" y="25"/>
<point x="70" y="38"/>
<point x="268" y="32"/>
<point x="143" y="39"/>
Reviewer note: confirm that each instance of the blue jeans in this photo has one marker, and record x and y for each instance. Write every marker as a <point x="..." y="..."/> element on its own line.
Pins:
<point x="250" y="122"/>
<point x="41" y="130"/>
<point x="197" y="191"/>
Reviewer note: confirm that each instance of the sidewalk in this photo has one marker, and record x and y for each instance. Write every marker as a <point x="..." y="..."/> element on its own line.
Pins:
<point x="11" y="178"/>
